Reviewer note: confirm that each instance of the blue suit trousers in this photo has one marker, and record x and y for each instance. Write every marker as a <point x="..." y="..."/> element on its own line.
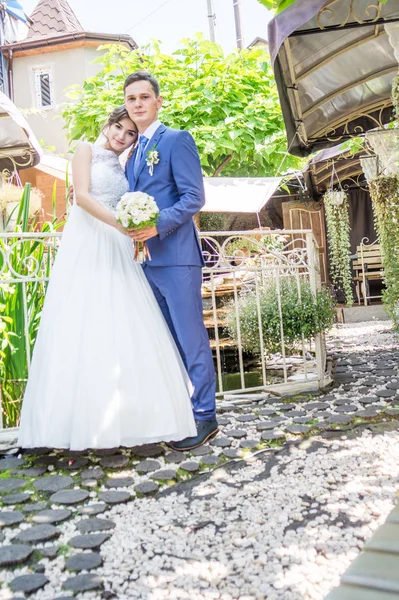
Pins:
<point x="178" y="292"/>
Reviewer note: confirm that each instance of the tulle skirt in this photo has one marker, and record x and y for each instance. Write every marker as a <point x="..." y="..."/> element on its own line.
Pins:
<point x="105" y="369"/>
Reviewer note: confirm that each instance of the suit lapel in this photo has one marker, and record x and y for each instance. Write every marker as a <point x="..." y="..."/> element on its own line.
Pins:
<point x="150" y="146"/>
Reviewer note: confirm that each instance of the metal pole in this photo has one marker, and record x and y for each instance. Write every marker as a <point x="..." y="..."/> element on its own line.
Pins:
<point x="3" y="66"/>
<point x="211" y="20"/>
<point x="237" y="18"/>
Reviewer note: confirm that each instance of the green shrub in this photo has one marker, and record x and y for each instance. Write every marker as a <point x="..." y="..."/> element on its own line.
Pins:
<point x="213" y="221"/>
<point x="302" y="315"/>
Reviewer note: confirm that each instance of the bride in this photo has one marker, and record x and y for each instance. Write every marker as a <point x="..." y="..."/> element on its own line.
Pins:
<point x="105" y="370"/>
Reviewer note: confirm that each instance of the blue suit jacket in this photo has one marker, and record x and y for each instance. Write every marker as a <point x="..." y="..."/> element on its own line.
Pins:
<point x="178" y="189"/>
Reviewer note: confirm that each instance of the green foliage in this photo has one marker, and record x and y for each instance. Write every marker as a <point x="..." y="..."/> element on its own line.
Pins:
<point x="276" y="5"/>
<point x="248" y="246"/>
<point x="338" y="235"/>
<point x="384" y="192"/>
<point x="22" y="258"/>
<point x="303" y="315"/>
<point x="229" y="103"/>
<point x="213" y="221"/>
<point x="279" y="5"/>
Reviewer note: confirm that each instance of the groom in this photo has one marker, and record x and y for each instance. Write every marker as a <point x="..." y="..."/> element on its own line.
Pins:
<point x="166" y="165"/>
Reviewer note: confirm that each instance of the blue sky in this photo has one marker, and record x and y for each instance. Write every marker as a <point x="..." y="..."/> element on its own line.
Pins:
<point x="168" y="20"/>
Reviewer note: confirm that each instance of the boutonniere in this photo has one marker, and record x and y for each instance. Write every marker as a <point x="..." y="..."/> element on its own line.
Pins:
<point x="152" y="158"/>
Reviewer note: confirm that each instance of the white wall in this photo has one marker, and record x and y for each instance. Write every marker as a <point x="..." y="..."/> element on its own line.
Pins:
<point x="68" y="67"/>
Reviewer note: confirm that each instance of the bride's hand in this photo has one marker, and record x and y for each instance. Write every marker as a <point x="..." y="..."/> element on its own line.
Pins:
<point x="121" y="229"/>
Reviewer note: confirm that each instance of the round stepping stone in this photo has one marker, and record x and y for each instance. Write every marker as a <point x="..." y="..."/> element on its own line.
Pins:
<point x="190" y="466"/>
<point x="247" y="418"/>
<point x="30" y="472"/>
<point x="210" y="460"/>
<point x="164" y="475"/>
<point x="11" y="463"/>
<point x="297" y="413"/>
<point x="266" y="412"/>
<point x="11" y="484"/>
<point x="341" y="401"/>
<point x="28" y="583"/>
<point x="368" y="399"/>
<point x="146" y="488"/>
<point x="94" y="524"/>
<point x="249" y="444"/>
<point x="84" y="561"/>
<point x="51" y="516"/>
<point x="148" y="466"/>
<point x="232" y="453"/>
<point x="268" y="436"/>
<point x="107" y="451"/>
<point x="347" y="408"/>
<point x="393" y="385"/>
<point x="119" y="482"/>
<point x="285" y="407"/>
<point x="221" y="442"/>
<point x="266" y="425"/>
<point x="236" y="433"/>
<point x="174" y="457"/>
<point x="76" y="463"/>
<point x="16" y="498"/>
<point x="46" y="461"/>
<point x="114" y="497"/>
<point x="89" y="541"/>
<point x="53" y="483"/>
<point x="385" y="393"/>
<point x="201" y="451"/>
<point x="223" y="421"/>
<point x="34" y="507"/>
<point x="316" y="405"/>
<point x="368" y="412"/>
<point x="296" y="429"/>
<point x="93" y="509"/>
<point x="96" y="473"/>
<point x="14" y="554"/>
<point x="148" y="451"/>
<point x="83" y="583"/>
<point x="11" y="518"/>
<point x="339" y="419"/>
<point x="37" y="534"/>
<point x="114" y="462"/>
<point x="393" y="411"/>
<point x="49" y="551"/>
<point x="304" y="420"/>
<point x="69" y="497"/>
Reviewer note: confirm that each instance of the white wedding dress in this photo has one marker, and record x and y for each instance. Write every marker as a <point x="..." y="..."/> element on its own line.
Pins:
<point x="105" y="369"/>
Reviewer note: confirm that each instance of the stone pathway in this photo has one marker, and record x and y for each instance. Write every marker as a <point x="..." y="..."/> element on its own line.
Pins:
<point x="256" y="514"/>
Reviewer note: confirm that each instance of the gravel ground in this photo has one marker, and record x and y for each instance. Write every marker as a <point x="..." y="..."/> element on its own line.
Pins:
<point x="281" y="524"/>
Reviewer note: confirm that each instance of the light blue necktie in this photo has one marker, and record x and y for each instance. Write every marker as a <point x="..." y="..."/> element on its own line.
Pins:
<point x="140" y="151"/>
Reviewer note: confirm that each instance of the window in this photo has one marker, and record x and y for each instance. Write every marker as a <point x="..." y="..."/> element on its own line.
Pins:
<point x="44" y="88"/>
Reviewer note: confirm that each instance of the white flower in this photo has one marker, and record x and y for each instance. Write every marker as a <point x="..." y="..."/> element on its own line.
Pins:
<point x="152" y="158"/>
<point x="135" y="209"/>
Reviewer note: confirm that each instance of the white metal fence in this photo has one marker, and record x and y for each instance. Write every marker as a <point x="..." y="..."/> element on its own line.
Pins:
<point x="237" y="264"/>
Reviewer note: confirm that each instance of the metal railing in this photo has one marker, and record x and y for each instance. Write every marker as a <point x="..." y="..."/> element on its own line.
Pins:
<point x="237" y="264"/>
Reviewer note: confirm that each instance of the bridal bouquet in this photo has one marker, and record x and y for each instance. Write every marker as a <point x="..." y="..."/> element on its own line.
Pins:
<point x="137" y="210"/>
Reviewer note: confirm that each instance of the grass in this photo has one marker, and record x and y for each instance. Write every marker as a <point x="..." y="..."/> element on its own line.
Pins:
<point x="19" y="328"/>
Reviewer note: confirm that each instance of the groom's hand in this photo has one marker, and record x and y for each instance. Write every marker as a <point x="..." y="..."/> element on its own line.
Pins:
<point x="144" y="234"/>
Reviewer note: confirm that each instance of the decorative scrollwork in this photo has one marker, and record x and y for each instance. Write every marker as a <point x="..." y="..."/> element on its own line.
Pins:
<point x="27" y="258"/>
<point x="372" y="13"/>
<point x="13" y="163"/>
<point x="241" y="253"/>
<point x="350" y="126"/>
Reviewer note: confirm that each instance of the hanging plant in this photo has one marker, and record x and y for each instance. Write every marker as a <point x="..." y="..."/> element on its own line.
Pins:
<point x="338" y="236"/>
<point x="384" y="192"/>
<point x="395" y="96"/>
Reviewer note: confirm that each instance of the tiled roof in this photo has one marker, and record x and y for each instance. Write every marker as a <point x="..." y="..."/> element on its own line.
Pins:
<point x="51" y="18"/>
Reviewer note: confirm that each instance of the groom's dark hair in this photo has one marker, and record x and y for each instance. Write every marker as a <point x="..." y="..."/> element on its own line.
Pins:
<point x="143" y="76"/>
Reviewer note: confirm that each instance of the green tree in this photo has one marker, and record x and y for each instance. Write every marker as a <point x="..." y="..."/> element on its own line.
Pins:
<point x="279" y="5"/>
<point x="229" y="103"/>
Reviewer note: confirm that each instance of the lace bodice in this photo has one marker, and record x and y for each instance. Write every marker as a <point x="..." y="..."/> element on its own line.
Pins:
<point x="108" y="181"/>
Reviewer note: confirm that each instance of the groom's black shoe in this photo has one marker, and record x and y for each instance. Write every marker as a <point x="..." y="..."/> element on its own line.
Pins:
<point x="206" y="430"/>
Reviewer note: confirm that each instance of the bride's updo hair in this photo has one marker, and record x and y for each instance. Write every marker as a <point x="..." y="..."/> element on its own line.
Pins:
<point x="117" y="115"/>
